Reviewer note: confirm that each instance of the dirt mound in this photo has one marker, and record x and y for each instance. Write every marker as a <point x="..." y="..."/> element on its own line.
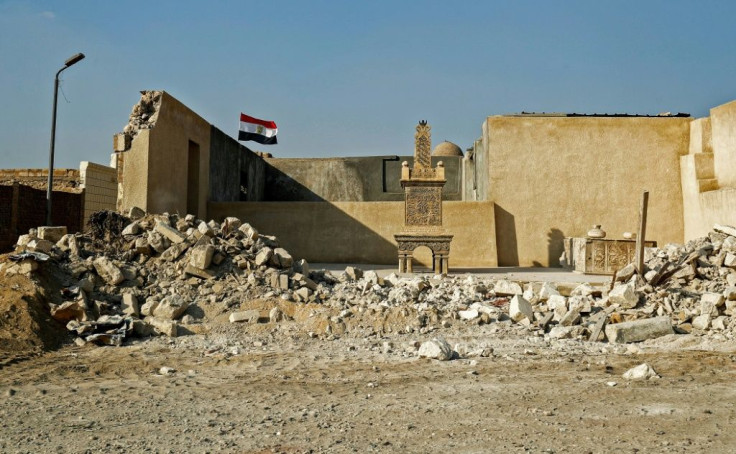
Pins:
<point x="25" y="322"/>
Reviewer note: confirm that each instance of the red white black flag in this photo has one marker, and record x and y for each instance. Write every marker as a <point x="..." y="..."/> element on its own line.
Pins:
<point x="260" y="131"/>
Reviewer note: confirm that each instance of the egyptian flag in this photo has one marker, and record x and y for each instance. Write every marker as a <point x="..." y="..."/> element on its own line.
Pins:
<point x="260" y="131"/>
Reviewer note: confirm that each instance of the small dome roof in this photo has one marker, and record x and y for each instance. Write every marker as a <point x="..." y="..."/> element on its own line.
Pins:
<point x="447" y="149"/>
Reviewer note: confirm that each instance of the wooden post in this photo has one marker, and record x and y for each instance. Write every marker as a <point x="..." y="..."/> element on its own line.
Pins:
<point x="642" y="233"/>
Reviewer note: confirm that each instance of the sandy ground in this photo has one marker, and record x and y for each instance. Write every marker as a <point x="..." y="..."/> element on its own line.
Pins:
<point x="268" y="388"/>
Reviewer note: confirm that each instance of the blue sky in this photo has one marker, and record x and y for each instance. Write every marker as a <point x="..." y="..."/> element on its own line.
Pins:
<point x="350" y="78"/>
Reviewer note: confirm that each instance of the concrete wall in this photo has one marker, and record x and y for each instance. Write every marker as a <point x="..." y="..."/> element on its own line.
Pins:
<point x="552" y="177"/>
<point x="723" y="124"/>
<point x="369" y="179"/>
<point x="133" y="173"/>
<point x="101" y="187"/>
<point x="362" y="232"/>
<point x="156" y="165"/>
<point x="236" y="172"/>
<point x="708" y="172"/>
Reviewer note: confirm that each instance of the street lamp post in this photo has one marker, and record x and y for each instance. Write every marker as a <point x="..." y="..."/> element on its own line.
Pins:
<point x="72" y="60"/>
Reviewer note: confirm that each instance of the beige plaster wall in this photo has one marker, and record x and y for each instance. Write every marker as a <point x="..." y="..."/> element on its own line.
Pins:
<point x="362" y="232"/>
<point x="723" y="125"/>
<point x="133" y="179"/>
<point x="701" y="136"/>
<point x="552" y="177"/>
<point x="168" y="157"/>
<point x="155" y="167"/>
<point x="709" y="171"/>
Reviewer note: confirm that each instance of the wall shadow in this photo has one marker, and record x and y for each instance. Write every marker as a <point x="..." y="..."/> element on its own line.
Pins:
<point x="555" y="247"/>
<point x="506" y="242"/>
<point x="310" y="227"/>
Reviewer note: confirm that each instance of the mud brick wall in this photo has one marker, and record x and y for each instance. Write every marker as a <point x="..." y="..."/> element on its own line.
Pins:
<point x="6" y="212"/>
<point x="23" y="208"/>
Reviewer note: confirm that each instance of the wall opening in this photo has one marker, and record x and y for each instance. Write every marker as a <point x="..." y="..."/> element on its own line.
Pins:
<point x="193" y="179"/>
<point x="422" y="260"/>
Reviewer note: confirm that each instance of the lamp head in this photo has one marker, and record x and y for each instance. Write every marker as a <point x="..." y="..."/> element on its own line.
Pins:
<point x="73" y="59"/>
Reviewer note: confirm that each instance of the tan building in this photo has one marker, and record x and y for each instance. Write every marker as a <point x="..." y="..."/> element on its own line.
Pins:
<point x="529" y="181"/>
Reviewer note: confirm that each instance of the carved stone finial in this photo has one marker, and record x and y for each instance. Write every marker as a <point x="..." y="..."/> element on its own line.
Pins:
<point x="423" y="146"/>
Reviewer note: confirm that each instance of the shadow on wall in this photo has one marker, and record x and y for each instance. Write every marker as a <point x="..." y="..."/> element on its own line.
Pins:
<point x="316" y="230"/>
<point x="555" y="247"/>
<point x="506" y="243"/>
<point x="282" y="187"/>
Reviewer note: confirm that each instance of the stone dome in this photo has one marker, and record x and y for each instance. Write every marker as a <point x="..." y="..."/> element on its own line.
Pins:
<point x="447" y="149"/>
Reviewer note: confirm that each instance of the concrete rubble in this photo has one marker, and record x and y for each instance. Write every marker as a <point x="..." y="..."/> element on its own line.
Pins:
<point x="152" y="276"/>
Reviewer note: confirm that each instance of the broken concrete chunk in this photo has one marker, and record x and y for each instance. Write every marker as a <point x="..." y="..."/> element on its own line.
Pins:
<point x="136" y="213"/>
<point x="571" y="317"/>
<point x="149" y="306"/>
<point x="157" y="242"/>
<point x="199" y="272"/>
<point x="264" y="256"/>
<point x="174" y="252"/>
<point x="169" y="232"/>
<point x="729" y="260"/>
<point x="548" y="290"/>
<point x="520" y="309"/>
<point x="23" y="241"/>
<point x="727" y="229"/>
<point x="436" y="348"/>
<point x="638" y="330"/>
<point x="70" y="310"/>
<point x="205" y="229"/>
<point x="711" y="302"/>
<point x="161" y="326"/>
<point x="565" y="332"/>
<point x="720" y="323"/>
<point x="132" y="229"/>
<point x="249" y="231"/>
<point x="556" y="301"/>
<point x="202" y="256"/>
<point x="624" y="295"/>
<point x="230" y="224"/>
<point x="303" y="293"/>
<point x="171" y="307"/>
<point x="39" y="245"/>
<point x="507" y="288"/>
<point x="275" y="315"/>
<point x="301" y="266"/>
<point x="142" y="328"/>
<point x="470" y="314"/>
<point x="283" y="257"/>
<point x="129" y="305"/>
<point x="353" y="273"/>
<point x="250" y="316"/>
<point x="372" y="277"/>
<point x="702" y="322"/>
<point x="108" y="271"/>
<point x="142" y="247"/>
<point x="625" y="273"/>
<point x="51" y="233"/>
<point x="640" y="372"/>
<point x="584" y="289"/>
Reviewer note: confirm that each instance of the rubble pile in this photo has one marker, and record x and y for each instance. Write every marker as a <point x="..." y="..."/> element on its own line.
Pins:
<point x="145" y="274"/>
<point x="143" y="115"/>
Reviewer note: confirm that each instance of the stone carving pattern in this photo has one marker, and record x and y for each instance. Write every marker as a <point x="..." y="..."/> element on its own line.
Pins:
<point x="426" y="173"/>
<point x="608" y="256"/>
<point x="423" y="146"/>
<point x="438" y="247"/>
<point x="423" y="206"/>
